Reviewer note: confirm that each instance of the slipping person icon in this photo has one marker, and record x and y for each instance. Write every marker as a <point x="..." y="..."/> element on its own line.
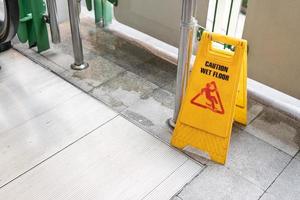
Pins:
<point x="210" y="98"/>
<point x="209" y="90"/>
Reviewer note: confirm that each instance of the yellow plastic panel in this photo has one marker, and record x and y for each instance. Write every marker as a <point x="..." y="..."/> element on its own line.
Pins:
<point x="207" y="113"/>
<point x="241" y="102"/>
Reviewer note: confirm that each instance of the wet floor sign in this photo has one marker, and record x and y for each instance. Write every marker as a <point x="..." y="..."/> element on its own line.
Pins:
<point x="208" y="109"/>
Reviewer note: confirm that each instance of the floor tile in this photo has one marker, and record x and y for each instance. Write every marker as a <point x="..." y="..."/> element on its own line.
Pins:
<point x="116" y="161"/>
<point x="123" y="90"/>
<point x="254" y="159"/>
<point x="29" y="92"/>
<point x="277" y="129"/>
<point x="217" y="182"/>
<point x="152" y="113"/>
<point x="19" y="62"/>
<point x="27" y="102"/>
<point x="29" y="144"/>
<point x="99" y="71"/>
<point x="287" y="184"/>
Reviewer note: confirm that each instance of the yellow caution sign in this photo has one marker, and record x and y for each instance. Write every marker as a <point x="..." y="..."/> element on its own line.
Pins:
<point x="208" y="109"/>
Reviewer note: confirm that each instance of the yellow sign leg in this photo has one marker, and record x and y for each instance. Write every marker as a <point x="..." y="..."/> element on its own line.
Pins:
<point x="241" y="104"/>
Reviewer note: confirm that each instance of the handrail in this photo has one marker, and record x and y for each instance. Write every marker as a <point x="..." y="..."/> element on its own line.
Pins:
<point x="9" y="27"/>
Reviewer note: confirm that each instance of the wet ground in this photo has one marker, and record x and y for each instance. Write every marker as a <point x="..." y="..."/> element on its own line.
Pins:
<point x="263" y="162"/>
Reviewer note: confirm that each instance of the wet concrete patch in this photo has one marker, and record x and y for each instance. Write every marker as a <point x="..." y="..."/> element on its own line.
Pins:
<point x="127" y="56"/>
<point x="99" y="71"/>
<point x="171" y="87"/>
<point x="253" y="111"/>
<point x="157" y="71"/>
<point x="59" y="57"/>
<point x="123" y="91"/>
<point x="112" y="47"/>
<point x="152" y="113"/>
<point x="138" y="118"/>
<point x="277" y="129"/>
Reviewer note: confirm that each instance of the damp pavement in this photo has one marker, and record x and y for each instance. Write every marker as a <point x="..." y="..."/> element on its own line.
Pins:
<point x="264" y="159"/>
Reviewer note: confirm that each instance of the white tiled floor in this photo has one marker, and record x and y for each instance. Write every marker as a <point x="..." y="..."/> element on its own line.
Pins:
<point x="57" y="142"/>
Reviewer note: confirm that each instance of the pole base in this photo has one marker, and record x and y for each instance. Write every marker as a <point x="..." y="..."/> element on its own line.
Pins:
<point x="79" y="67"/>
<point x="171" y="124"/>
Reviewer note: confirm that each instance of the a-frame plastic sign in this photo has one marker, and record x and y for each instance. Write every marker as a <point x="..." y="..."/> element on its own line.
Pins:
<point x="208" y="110"/>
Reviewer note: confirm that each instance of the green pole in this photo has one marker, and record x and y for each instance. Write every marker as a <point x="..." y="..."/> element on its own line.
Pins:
<point x="228" y="24"/>
<point x="215" y="15"/>
<point x="229" y="17"/>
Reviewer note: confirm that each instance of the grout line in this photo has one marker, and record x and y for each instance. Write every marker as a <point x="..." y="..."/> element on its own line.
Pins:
<point x="294" y="157"/>
<point x="51" y="156"/>
<point x="177" y="197"/>
<point x="164" y="179"/>
<point x="257" y="116"/>
<point x="188" y="183"/>
<point x="193" y="178"/>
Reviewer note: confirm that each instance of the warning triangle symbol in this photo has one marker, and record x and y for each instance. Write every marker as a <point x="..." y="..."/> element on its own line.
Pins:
<point x="209" y="98"/>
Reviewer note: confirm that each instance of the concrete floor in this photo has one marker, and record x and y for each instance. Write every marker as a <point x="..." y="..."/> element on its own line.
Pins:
<point x="264" y="160"/>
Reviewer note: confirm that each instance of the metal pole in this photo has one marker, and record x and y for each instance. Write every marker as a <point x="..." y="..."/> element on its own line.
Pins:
<point x="79" y="63"/>
<point x="184" y="54"/>
<point x="52" y="16"/>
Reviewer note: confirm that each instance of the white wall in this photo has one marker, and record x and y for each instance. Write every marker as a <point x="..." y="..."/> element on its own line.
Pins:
<point x="158" y="18"/>
<point x="272" y="30"/>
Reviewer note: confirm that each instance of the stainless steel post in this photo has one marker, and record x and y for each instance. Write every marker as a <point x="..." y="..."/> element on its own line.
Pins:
<point x="79" y="63"/>
<point x="184" y="54"/>
<point x="52" y="16"/>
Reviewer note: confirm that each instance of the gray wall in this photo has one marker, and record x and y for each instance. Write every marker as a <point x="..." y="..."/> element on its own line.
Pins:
<point x="158" y="18"/>
<point x="273" y="32"/>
